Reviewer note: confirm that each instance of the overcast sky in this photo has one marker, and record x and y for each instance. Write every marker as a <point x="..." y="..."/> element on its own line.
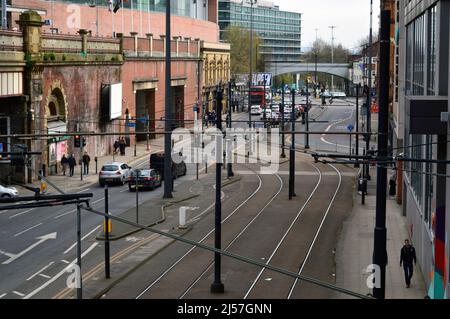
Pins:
<point x="351" y="18"/>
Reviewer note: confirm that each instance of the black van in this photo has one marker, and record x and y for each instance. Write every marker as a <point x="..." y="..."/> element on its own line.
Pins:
<point x="157" y="162"/>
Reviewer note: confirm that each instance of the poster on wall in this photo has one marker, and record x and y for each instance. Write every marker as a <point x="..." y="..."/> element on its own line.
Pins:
<point x="61" y="150"/>
<point x="52" y="153"/>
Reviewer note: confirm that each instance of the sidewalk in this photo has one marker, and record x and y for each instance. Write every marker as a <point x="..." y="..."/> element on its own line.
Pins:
<point x="69" y="184"/>
<point x="355" y="248"/>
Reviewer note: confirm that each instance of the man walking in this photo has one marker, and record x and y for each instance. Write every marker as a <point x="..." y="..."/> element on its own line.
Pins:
<point x="407" y="256"/>
<point x="86" y="161"/>
<point x="64" y="164"/>
<point x="122" y="145"/>
<point x="72" y="163"/>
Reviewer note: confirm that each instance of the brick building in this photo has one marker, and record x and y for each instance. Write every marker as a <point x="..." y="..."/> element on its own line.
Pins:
<point x="55" y="83"/>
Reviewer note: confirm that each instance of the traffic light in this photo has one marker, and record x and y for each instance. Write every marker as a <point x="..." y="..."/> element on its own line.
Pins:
<point x="366" y="137"/>
<point x="77" y="142"/>
<point x="84" y="141"/>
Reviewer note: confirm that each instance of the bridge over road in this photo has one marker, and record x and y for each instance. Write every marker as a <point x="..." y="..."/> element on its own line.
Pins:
<point x="338" y="69"/>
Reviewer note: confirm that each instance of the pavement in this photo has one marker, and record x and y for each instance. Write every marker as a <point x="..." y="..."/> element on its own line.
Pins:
<point x="69" y="184"/>
<point x="355" y="248"/>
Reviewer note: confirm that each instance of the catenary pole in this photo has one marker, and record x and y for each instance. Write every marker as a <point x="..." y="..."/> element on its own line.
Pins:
<point x="168" y="123"/>
<point x="380" y="253"/>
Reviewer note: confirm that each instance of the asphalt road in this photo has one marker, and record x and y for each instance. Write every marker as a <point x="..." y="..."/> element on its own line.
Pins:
<point x="37" y="245"/>
<point x="33" y="267"/>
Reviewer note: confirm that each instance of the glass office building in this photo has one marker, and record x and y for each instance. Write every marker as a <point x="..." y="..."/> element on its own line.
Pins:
<point x="179" y="7"/>
<point x="280" y="31"/>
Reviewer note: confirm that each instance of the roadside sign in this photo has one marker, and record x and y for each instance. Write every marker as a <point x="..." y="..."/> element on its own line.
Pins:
<point x="350" y="127"/>
<point x="142" y="120"/>
<point x="1" y="147"/>
<point x="131" y="124"/>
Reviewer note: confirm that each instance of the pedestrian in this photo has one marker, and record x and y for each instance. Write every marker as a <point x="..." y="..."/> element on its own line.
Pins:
<point x="86" y="161"/>
<point x="206" y="119"/>
<point x="72" y="163"/>
<point x="407" y="256"/>
<point x="393" y="183"/>
<point x="116" y="146"/>
<point x="64" y="164"/>
<point x="122" y="146"/>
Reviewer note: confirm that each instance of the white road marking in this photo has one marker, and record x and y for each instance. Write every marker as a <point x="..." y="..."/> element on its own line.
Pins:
<point x="64" y="214"/>
<point x="18" y="293"/>
<point x="62" y="272"/>
<point x="125" y="190"/>
<point x="2" y="295"/>
<point x="86" y="236"/>
<point x="98" y="200"/>
<point x="22" y="213"/>
<point x="6" y="254"/>
<point x="65" y="261"/>
<point x="28" y="229"/>
<point x="45" y="276"/>
<point x="41" y="270"/>
<point x="84" y="190"/>
<point x="41" y="240"/>
<point x="2" y="212"/>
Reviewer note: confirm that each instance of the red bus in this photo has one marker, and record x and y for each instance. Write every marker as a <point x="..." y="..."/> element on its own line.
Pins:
<point x="257" y="96"/>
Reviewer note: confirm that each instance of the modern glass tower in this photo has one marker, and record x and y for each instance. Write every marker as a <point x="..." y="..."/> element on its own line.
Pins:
<point x="280" y="31"/>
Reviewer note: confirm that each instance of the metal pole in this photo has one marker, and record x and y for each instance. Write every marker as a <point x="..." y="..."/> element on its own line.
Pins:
<point x="292" y="152"/>
<point x="307" y="116"/>
<point x="363" y="190"/>
<point x="167" y="138"/>
<point x="217" y="286"/>
<point x="369" y="85"/>
<point x="137" y="196"/>
<point x="230" y="97"/>
<point x="4" y="15"/>
<point x="283" y="153"/>
<point x="80" y="282"/>
<point x="250" y="80"/>
<point x="380" y="253"/>
<point x="315" y="75"/>
<point x="107" y="250"/>
<point x="148" y="130"/>
<point x="96" y="13"/>
<point x="332" y="53"/>
<point x="357" y="123"/>
<point x="81" y="158"/>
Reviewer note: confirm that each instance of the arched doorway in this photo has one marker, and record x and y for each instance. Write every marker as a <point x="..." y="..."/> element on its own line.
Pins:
<point x="56" y="118"/>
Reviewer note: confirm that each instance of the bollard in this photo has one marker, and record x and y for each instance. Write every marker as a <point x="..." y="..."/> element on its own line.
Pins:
<point x="96" y="165"/>
<point x="182" y="224"/>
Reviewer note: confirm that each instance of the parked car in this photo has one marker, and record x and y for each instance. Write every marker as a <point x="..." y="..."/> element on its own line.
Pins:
<point x="8" y="192"/>
<point x="268" y="115"/>
<point x="114" y="173"/>
<point x="145" y="178"/>
<point x="255" y="110"/>
<point x="157" y="163"/>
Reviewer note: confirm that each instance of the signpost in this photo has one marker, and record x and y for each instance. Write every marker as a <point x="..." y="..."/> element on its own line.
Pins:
<point x="350" y="128"/>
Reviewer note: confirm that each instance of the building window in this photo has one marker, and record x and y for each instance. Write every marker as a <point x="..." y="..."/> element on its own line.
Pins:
<point x="432" y="39"/>
<point x="416" y="170"/>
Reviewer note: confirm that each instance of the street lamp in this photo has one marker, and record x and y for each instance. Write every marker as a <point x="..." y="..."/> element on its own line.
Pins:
<point x="332" y="52"/>
<point x="168" y="187"/>
<point x="250" y="80"/>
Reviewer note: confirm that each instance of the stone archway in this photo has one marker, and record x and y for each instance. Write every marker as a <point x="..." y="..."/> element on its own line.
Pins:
<point x="56" y="122"/>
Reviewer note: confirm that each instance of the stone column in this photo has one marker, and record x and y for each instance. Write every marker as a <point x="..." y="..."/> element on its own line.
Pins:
<point x="33" y="82"/>
<point x="189" y="46"/>
<point x="120" y="36"/>
<point x="135" y="36"/>
<point x="150" y="39"/>
<point x="177" y="40"/>
<point x="163" y="37"/>
<point x="84" y="39"/>
<point x="198" y="46"/>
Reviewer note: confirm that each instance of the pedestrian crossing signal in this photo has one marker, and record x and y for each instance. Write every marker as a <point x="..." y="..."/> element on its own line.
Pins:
<point x="77" y="141"/>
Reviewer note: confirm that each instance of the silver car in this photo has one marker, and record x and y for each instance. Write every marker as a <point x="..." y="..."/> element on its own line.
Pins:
<point x="114" y="173"/>
<point x="8" y="192"/>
